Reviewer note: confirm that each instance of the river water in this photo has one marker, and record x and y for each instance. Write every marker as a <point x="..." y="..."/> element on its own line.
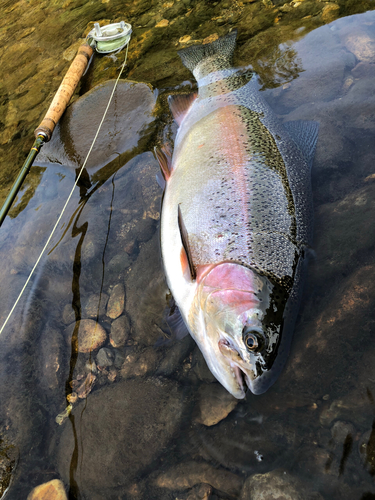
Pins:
<point x="147" y="419"/>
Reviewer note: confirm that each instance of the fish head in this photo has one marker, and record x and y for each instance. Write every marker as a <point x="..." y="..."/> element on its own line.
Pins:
<point x="239" y="328"/>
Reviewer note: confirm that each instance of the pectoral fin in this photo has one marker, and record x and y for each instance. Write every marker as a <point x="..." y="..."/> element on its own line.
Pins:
<point x="185" y="244"/>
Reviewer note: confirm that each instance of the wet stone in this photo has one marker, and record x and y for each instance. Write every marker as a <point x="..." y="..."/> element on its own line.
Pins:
<point x="174" y="357"/>
<point x="364" y="70"/>
<point x="361" y="42"/>
<point x="120" y="330"/>
<point x="94" y="306"/>
<point x="116" y="301"/>
<point x="119" y="263"/>
<point x="105" y="357"/>
<point x="68" y="315"/>
<point x="91" y="335"/>
<point x="276" y="485"/>
<point x="188" y="474"/>
<point x="214" y="404"/>
<point x="139" y="364"/>
<point x="139" y="416"/>
<point x="53" y="490"/>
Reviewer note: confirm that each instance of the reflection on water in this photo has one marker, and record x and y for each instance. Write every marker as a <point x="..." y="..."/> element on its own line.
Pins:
<point x="148" y="420"/>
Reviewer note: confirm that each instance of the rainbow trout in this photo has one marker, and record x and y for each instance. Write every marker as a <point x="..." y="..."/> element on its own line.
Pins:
<point x="236" y="223"/>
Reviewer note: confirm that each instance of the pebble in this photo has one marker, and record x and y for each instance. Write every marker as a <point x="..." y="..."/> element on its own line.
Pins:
<point x="116" y="301"/>
<point x="105" y="357"/>
<point x="330" y="12"/>
<point x="53" y="490"/>
<point x="94" y="306"/>
<point x="162" y="24"/>
<point x="188" y="474"/>
<point x="276" y="485"/>
<point x="210" y="38"/>
<point x="119" y="263"/>
<point x="139" y="364"/>
<point x="184" y="39"/>
<point x="72" y="398"/>
<point x="91" y="336"/>
<point x="215" y="404"/>
<point x="120" y="330"/>
<point x="68" y="315"/>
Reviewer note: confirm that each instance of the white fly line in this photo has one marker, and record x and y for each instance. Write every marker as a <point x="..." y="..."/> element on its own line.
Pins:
<point x="70" y="195"/>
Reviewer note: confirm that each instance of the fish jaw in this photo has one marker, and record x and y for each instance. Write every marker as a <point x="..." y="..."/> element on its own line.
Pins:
<point x="230" y="297"/>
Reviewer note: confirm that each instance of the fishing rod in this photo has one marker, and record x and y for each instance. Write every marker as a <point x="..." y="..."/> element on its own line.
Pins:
<point x="104" y="40"/>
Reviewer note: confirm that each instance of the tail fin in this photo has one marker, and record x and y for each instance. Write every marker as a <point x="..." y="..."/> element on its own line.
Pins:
<point x="223" y="47"/>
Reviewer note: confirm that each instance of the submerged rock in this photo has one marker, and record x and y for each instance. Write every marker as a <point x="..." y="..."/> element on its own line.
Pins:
<point x="53" y="490"/>
<point x="214" y="404"/>
<point x="122" y="429"/>
<point x="90" y="335"/>
<point x="188" y="474"/>
<point x="120" y="330"/>
<point x="129" y="115"/>
<point x="276" y="485"/>
<point x="116" y="301"/>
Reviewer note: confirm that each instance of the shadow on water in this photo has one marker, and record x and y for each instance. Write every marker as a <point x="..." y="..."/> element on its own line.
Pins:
<point x="147" y="419"/>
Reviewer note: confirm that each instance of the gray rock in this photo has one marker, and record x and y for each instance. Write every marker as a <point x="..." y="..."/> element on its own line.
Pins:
<point x="105" y="357"/>
<point x="276" y="485"/>
<point x="120" y="330"/>
<point x="122" y="429"/>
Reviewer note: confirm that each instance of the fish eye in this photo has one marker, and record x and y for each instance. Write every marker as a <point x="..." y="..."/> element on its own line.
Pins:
<point x="253" y="340"/>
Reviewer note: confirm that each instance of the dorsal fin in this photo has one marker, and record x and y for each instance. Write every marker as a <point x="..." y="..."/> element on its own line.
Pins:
<point x="164" y="157"/>
<point x="179" y="105"/>
<point x="305" y="135"/>
<point x="185" y="243"/>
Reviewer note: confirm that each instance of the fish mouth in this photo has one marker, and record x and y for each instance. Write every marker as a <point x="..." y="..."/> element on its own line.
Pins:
<point x="233" y="356"/>
<point x="240" y="376"/>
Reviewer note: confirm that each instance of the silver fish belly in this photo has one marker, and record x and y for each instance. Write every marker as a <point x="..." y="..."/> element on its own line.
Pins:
<point x="236" y="220"/>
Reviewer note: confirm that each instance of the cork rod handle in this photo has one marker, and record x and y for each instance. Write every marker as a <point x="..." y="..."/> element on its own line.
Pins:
<point x="65" y="92"/>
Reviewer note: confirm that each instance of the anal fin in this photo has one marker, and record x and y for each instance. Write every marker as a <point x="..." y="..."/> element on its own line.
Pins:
<point x="185" y="243"/>
<point x="164" y="157"/>
<point x="180" y="104"/>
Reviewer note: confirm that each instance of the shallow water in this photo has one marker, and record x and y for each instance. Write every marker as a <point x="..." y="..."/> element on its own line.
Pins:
<point x="139" y="428"/>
